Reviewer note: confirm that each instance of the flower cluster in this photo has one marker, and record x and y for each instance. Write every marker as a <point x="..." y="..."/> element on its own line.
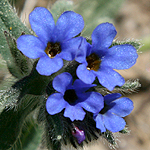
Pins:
<point x="61" y="41"/>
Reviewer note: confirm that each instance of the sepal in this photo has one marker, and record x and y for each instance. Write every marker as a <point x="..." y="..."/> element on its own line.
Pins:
<point x="130" y="86"/>
<point x="135" y="43"/>
<point x="20" y="65"/>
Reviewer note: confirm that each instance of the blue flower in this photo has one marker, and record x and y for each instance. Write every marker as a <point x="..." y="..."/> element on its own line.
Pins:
<point x="99" y="59"/>
<point x="110" y="116"/>
<point x="53" y="42"/>
<point x="73" y="98"/>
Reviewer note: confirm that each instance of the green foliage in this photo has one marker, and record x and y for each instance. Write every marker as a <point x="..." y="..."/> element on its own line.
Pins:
<point x="59" y="7"/>
<point x="124" y="131"/>
<point x="97" y="11"/>
<point x="94" y="12"/>
<point x="136" y="43"/>
<point x="20" y="65"/>
<point x="30" y="136"/>
<point x="12" y="120"/>
<point x="109" y="137"/>
<point x="130" y="86"/>
<point x="4" y="48"/>
<point x="11" y="20"/>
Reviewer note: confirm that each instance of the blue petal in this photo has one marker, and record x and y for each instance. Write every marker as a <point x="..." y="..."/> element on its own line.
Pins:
<point x="42" y="23"/>
<point x="109" y="78"/>
<point x="74" y="112"/>
<point x="69" y="48"/>
<point x="81" y="87"/>
<point x="55" y="103"/>
<point x="94" y="103"/>
<point x="31" y="46"/>
<point x="68" y="25"/>
<point x="111" y="97"/>
<point x="85" y="75"/>
<point x="103" y="36"/>
<point x="47" y="66"/>
<point x="100" y="123"/>
<point x="83" y="51"/>
<point x="62" y="81"/>
<point x="120" y="57"/>
<point x="113" y="123"/>
<point x="122" y="107"/>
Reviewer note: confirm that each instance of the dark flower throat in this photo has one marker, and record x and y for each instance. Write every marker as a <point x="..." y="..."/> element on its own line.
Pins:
<point x="70" y="96"/>
<point x="52" y="49"/>
<point x="93" y="62"/>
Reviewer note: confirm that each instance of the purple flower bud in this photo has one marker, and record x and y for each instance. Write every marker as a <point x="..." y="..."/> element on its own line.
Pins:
<point x="78" y="134"/>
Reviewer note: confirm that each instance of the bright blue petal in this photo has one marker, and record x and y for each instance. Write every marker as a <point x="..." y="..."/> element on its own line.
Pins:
<point x="68" y="25"/>
<point x="122" y="107"/>
<point x="109" y="78"/>
<point x="113" y="123"/>
<point x="94" y="103"/>
<point x="83" y="51"/>
<point x="42" y="23"/>
<point x="111" y="97"/>
<point x="55" y="103"/>
<point x="103" y="36"/>
<point x="85" y="75"/>
<point x="69" y="48"/>
<point x="100" y="123"/>
<point x="120" y="57"/>
<point x="62" y="81"/>
<point x="74" y="112"/>
<point x="47" y="66"/>
<point x="31" y="46"/>
<point x="81" y="87"/>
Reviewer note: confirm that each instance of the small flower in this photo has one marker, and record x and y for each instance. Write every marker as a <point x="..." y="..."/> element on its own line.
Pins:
<point x="99" y="60"/>
<point x="54" y="42"/>
<point x="110" y="116"/>
<point x="73" y="98"/>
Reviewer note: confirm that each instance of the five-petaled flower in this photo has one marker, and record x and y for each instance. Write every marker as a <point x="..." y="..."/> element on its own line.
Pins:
<point x="53" y="42"/>
<point x="73" y="98"/>
<point x="99" y="59"/>
<point x="110" y="116"/>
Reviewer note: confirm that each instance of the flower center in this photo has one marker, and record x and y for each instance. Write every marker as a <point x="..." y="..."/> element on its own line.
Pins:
<point x="52" y="49"/>
<point x="93" y="62"/>
<point x="105" y="109"/>
<point x="70" y="96"/>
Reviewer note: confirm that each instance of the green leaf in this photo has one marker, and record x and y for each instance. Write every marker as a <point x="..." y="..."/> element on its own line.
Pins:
<point x="12" y="119"/>
<point x="20" y="65"/>
<point x="10" y="19"/>
<point x="130" y="86"/>
<point x="108" y="135"/>
<point x="60" y="6"/>
<point x="135" y="43"/>
<point x="4" y="48"/>
<point x="30" y="136"/>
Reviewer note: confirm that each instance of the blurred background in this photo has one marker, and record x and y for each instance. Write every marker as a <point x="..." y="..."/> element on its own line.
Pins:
<point x="132" y="21"/>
